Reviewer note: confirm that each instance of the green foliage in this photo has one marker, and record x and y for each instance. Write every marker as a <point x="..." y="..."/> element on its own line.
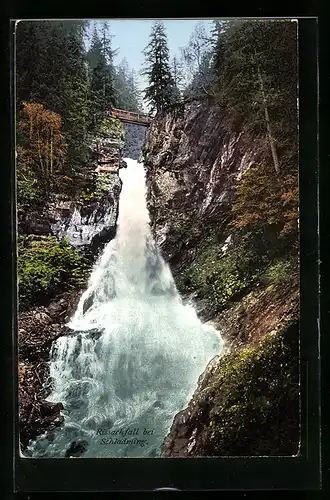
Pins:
<point x="244" y="47"/>
<point x="263" y="201"/>
<point x="46" y="267"/>
<point x="197" y="57"/>
<point x="103" y="182"/>
<point x="182" y="227"/>
<point x="126" y="86"/>
<point x="95" y="50"/>
<point x="254" y="91"/>
<point x="226" y="283"/>
<point x="177" y="72"/>
<point x="247" y="81"/>
<point x="221" y="276"/>
<point x="281" y="272"/>
<point x="51" y="70"/>
<point x="111" y="127"/>
<point x="101" y="73"/>
<point x="254" y="394"/>
<point x="29" y="192"/>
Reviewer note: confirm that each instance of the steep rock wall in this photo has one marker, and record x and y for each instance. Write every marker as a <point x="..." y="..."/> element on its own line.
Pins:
<point x="86" y="221"/>
<point x="194" y="159"/>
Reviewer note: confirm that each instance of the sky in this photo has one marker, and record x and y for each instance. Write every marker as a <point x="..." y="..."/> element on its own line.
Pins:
<point x="130" y="37"/>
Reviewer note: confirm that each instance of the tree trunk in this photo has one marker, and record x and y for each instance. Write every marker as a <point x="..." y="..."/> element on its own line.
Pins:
<point x="51" y="153"/>
<point x="269" y="129"/>
<point x="44" y="177"/>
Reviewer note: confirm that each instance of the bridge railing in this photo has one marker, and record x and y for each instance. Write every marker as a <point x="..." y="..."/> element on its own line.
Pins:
<point x="130" y="115"/>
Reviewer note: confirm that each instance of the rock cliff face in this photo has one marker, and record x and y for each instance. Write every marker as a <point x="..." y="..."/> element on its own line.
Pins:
<point x="194" y="160"/>
<point x="84" y="221"/>
<point x="87" y="223"/>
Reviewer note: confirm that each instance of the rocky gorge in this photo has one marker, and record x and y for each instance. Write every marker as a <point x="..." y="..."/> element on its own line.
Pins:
<point x="247" y="402"/>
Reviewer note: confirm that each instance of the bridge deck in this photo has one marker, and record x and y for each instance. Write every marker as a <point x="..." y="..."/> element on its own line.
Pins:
<point x="131" y="117"/>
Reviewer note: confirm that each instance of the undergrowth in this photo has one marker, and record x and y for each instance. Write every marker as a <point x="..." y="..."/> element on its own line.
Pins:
<point x="255" y="397"/>
<point x="46" y="267"/>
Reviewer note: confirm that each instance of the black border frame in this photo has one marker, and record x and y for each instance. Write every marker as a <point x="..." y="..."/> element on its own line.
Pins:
<point x="228" y="473"/>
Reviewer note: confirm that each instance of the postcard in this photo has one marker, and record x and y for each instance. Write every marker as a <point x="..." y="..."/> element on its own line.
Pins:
<point x="158" y="238"/>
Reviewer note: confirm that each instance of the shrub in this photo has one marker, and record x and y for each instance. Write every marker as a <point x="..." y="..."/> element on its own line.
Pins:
<point x="227" y="283"/>
<point x="264" y="200"/>
<point x="281" y="272"/>
<point x="29" y="193"/>
<point x="111" y="127"/>
<point x="102" y="185"/>
<point x="220" y="277"/>
<point x="46" y="267"/>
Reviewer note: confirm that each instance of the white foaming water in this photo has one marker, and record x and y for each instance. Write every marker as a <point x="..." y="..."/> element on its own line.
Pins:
<point x="135" y="354"/>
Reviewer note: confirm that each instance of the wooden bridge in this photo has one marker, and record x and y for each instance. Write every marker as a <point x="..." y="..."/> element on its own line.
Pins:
<point x="131" y="117"/>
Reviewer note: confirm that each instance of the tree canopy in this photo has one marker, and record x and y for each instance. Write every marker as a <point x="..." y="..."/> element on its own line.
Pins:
<point x="59" y="80"/>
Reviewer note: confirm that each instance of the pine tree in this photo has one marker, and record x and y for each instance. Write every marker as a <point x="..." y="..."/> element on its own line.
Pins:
<point x="127" y="93"/>
<point x="203" y="78"/>
<point x="218" y="38"/>
<point x="134" y="92"/>
<point x="196" y="57"/>
<point x="76" y="94"/>
<point x="176" y="68"/>
<point x="106" y="39"/>
<point x="102" y="74"/>
<point x="160" y="92"/>
<point x="256" y="72"/>
<point x="95" y="50"/>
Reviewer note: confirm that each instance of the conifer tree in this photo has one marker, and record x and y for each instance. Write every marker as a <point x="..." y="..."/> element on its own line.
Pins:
<point x="160" y="92"/>
<point x="95" y="49"/>
<point x="127" y="93"/>
<point x="176" y="68"/>
<point x="196" y="58"/>
<point x="100" y="58"/>
<point x="76" y="94"/>
<point x="51" y="70"/>
<point x="135" y="92"/>
<point x="256" y="71"/>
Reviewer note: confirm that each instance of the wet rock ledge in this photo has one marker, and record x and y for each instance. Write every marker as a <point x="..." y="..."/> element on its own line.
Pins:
<point x="38" y="329"/>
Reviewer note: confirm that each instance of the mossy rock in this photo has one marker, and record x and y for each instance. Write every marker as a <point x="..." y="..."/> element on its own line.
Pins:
<point x="217" y="277"/>
<point x="112" y="128"/>
<point x="254" y="398"/>
<point x="102" y="185"/>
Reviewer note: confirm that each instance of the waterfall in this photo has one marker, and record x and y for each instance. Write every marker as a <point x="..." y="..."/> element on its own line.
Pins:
<point x="135" y="352"/>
